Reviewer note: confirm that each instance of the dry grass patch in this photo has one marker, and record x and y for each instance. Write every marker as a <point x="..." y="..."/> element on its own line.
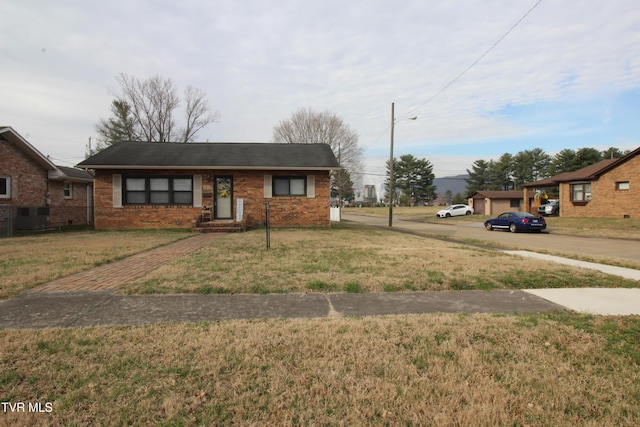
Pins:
<point x="351" y="259"/>
<point x="623" y="228"/>
<point x="441" y="370"/>
<point x="31" y="260"/>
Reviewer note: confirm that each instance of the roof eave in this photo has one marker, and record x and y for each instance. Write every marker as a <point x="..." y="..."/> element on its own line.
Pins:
<point x="138" y="167"/>
<point x="31" y="151"/>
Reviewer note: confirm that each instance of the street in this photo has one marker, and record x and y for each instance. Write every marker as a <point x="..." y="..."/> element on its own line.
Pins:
<point x="546" y="241"/>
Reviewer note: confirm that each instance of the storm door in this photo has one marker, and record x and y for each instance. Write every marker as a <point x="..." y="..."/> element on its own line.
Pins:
<point x="224" y="197"/>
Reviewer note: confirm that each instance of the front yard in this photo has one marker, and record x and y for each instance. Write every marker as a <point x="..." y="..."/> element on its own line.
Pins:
<point x="348" y="258"/>
<point x="558" y="369"/>
<point x="434" y="370"/>
<point x="32" y="260"/>
<point x="345" y="258"/>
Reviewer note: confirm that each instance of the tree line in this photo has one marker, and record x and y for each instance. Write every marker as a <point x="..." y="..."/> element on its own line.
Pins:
<point x="510" y="171"/>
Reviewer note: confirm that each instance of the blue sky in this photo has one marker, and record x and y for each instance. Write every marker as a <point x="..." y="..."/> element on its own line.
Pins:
<point x="567" y="76"/>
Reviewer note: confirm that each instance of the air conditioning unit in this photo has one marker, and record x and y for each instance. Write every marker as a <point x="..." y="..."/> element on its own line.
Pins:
<point x="32" y="218"/>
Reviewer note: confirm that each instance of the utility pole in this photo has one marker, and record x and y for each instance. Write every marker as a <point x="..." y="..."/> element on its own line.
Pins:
<point x="391" y="181"/>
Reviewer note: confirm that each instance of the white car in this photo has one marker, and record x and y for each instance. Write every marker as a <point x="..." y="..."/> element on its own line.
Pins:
<point x="455" y="210"/>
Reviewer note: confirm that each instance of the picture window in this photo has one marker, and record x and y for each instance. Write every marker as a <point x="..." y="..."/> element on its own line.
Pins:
<point x="289" y="186"/>
<point x="158" y="191"/>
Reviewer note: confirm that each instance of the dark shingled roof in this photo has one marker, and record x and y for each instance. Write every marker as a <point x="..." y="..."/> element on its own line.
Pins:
<point x="154" y="155"/>
<point x="587" y="173"/>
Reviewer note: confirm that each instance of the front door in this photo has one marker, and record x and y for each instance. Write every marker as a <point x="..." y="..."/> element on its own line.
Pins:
<point x="224" y="197"/>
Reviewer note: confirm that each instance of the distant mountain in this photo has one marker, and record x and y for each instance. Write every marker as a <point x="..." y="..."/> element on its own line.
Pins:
<point x="456" y="184"/>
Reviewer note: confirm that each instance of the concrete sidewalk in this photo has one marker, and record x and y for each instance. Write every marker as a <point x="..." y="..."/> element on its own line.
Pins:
<point x="627" y="273"/>
<point x="88" y="299"/>
<point x="93" y="308"/>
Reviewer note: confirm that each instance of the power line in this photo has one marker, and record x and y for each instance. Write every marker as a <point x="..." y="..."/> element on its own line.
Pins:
<point x="445" y="87"/>
<point x="459" y="76"/>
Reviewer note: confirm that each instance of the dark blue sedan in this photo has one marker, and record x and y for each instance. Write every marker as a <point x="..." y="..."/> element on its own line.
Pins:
<point x="516" y="221"/>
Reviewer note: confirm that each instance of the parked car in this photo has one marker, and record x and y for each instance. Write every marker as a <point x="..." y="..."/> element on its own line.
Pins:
<point x="455" y="210"/>
<point x="552" y="207"/>
<point x="516" y="221"/>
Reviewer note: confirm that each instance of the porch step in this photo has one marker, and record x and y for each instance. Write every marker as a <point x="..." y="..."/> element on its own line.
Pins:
<point x="220" y="227"/>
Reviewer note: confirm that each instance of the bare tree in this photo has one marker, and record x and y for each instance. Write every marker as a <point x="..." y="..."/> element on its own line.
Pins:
<point x="198" y="114"/>
<point x="310" y="127"/>
<point x="146" y="108"/>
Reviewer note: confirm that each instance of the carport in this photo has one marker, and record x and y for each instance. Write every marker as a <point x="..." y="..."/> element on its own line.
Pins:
<point x="533" y="192"/>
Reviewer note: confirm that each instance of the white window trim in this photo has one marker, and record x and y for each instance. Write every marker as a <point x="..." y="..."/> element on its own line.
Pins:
<point x="64" y="185"/>
<point x="622" y="186"/>
<point x="8" y="194"/>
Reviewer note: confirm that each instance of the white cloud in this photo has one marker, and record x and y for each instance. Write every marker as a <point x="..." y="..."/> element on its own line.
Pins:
<point x="259" y="61"/>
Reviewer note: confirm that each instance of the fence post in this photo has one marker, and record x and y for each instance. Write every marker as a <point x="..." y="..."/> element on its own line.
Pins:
<point x="267" y="224"/>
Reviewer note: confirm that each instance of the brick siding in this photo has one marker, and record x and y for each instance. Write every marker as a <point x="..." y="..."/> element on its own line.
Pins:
<point x="30" y="185"/>
<point x="69" y="211"/>
<point x="28" y="180"/>
<point x="606" y="201"/>
<point x="247" y="185"/>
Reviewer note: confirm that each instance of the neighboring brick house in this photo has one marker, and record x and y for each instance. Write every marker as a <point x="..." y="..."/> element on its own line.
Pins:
<point x="496" y="202"/>
<point x="609" y="188"/>
<point x="162" y="185"/>
<point x="37" y="194"/>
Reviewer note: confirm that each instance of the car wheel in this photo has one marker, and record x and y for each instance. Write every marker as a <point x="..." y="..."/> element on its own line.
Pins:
<point x="488" y="226"/>
<point x="513" y="228"/>
<point x="448" y="215"/>
<point x="468" y="213"/>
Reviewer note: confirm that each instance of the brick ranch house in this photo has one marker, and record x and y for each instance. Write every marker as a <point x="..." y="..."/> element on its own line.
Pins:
<point x="176" y="185"/>
<point x="37" y="194"/>
<point x="609" y="188"/>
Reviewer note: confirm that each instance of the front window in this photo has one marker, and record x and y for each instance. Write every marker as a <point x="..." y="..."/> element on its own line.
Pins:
<point x="5" y="187"/>
<point x="289" y="186"/>
<point x="158" y="191"/>
<point x="68" y="190"/>
<point x="581" y="192"/>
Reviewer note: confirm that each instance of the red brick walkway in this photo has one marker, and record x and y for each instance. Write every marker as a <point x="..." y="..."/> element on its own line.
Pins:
<point x="112" y="275"/>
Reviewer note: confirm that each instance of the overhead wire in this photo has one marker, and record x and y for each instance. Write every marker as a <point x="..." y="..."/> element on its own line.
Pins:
<point x="486" y="52"/>
<point x="459" y="76"/>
